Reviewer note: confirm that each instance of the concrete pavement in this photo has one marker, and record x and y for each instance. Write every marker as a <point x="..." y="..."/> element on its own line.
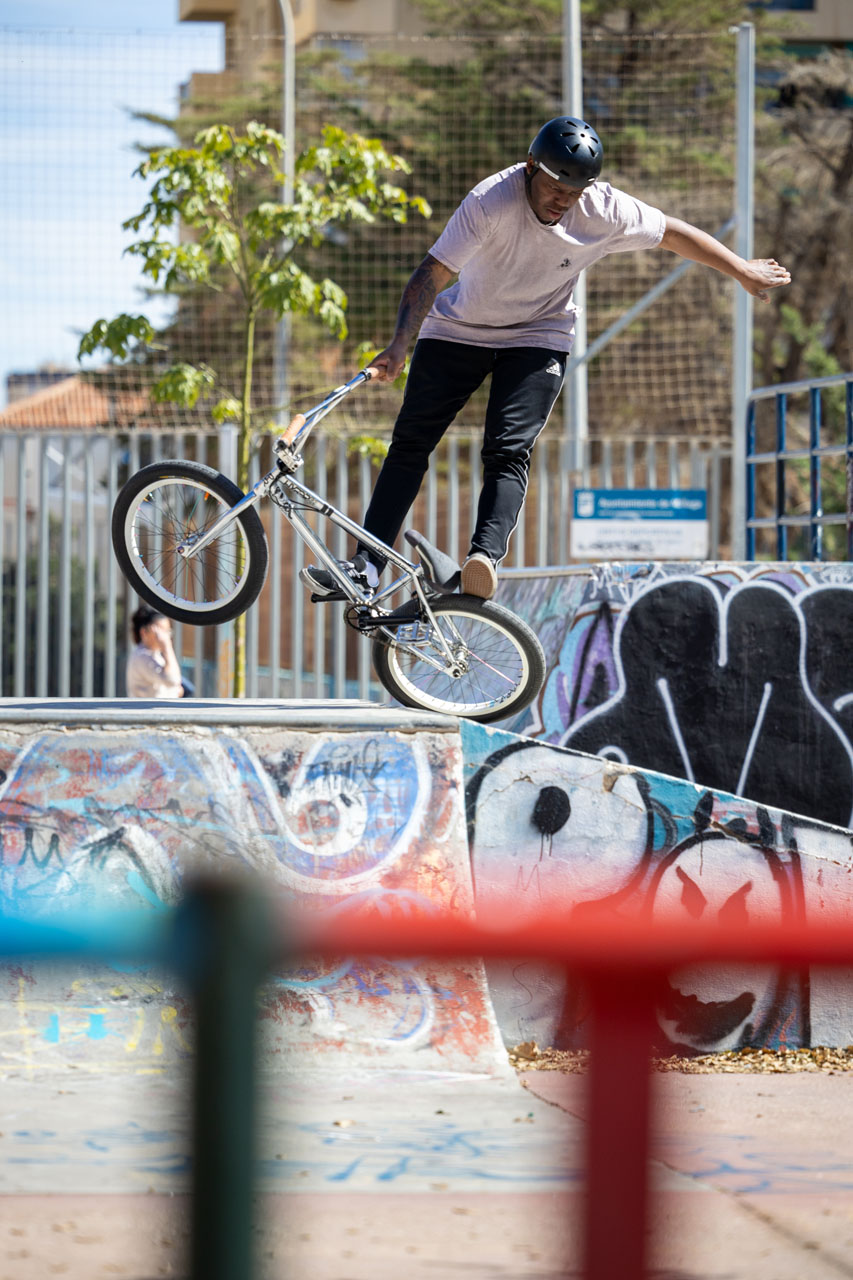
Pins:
<point x="367" y="1177"/>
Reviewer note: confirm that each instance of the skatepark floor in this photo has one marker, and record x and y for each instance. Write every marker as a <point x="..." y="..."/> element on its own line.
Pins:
<point x="370" y="1177"/>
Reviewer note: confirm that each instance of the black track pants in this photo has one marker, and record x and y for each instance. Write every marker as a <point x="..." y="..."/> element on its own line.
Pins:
<point x="443" y="376"/>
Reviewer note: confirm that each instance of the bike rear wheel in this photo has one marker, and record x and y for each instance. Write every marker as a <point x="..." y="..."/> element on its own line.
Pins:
<point x="169" y="503"/>
<point x="498" y="664"/>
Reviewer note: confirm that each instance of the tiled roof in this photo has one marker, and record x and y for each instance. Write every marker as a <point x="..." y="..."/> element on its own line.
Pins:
<point x="73" y="404"/>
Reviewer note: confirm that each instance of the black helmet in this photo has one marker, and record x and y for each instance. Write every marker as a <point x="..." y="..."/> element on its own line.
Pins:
<point x="569" y="151"/>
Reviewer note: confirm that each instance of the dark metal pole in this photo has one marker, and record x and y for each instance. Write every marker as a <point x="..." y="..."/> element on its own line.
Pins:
<point x="225" y="932"/>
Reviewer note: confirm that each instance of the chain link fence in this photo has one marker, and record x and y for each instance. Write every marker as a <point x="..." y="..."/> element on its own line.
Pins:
<point x="86" y="105"/>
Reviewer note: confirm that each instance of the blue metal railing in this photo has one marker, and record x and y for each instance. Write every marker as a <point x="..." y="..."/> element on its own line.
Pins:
<point x="816" y="519"/>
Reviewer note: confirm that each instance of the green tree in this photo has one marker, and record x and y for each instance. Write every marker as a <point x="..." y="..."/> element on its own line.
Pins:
<point x="214" y="221"/>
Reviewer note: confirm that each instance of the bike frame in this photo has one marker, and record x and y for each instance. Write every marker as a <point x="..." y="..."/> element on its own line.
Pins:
<point x="282" y="487"/>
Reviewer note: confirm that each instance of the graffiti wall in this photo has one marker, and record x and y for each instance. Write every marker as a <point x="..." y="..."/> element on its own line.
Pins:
<point x="736" y="677"/>
<point x="105" y="816"/>
<point x="550" y="825"/>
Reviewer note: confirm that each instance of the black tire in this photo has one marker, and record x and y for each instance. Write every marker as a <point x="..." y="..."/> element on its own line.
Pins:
<point x="160" y="507"/>
<point x="502" y="666"/>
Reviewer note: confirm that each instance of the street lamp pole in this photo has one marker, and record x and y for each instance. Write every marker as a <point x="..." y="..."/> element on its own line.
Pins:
<point x="575" y="394"/>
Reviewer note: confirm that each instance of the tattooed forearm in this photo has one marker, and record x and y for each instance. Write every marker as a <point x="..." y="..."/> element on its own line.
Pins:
<point x="418" y="296"/>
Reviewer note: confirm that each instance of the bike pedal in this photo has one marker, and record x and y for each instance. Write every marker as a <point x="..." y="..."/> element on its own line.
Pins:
<point x="331" y="598"/>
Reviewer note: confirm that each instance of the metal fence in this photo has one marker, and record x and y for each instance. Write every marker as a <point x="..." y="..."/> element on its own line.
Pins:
<point x="799" y="470"/>
<point x="65" y="613"/>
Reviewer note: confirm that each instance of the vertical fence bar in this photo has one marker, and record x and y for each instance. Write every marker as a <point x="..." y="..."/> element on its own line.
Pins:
<point x="565" y="494"/>
<point x="363" y="650"/>
<point x="848" y="415"/>
<point x="198" y="662"/>
<point x="224" y="634"/>
<point x="651" y="464"/>
<point x="200" y="640"/>
<point x="110" y="682"/>
<point x="815" y="497"/>
<point x="473" y="492"/>
<point x="520" y="540"/>
<point x="630" y="479"/>
<point x="43" y="571"/>
<point x="749" y="478"/>
<point x="88" y="572"/>
<point x="320" y="610"/>
<point x="253" y="626"/>
<point x="781" y="445"/>
<point x="543" y="505"/>
<point x="607" y="464"/>
<point x="453" y="548"/>
<point x="178" y="452"/>
<point x="132" y="467"/>
<point x="3" y="684"/>
<point x="275" y="604"/>
<point x="432" y="502"/>
<point x="65" y="541"/>
<point x="339" y="645"/>
<point x="296" y="552"/>
<point x="21" y="572"/>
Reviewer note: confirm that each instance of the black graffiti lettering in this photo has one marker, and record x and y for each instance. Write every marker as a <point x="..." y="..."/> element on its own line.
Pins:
<point x="714" y="687"/>
<point x="342" y="765"/>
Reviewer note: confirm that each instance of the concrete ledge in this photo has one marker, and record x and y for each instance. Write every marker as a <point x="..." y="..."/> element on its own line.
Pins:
<point x="272" y="713"/>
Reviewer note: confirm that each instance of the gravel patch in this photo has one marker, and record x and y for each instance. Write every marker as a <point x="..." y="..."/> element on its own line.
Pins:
<point x="529" y="1057"/>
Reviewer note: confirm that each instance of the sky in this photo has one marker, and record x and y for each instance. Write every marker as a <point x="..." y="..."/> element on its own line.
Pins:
<point x="71" y="71"/>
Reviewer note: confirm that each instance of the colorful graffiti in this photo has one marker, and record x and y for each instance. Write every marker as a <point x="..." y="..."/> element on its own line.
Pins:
<point x="105" y="817"/>
<point x="547" y="825"/>
<point x="737" y="677"/>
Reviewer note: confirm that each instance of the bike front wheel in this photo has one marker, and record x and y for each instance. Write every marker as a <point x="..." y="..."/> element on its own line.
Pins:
<point x="495" y="669"/>
<point x="169" y="504"/>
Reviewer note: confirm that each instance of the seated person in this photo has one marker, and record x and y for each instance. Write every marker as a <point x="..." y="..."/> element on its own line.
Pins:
<point x="152" y="665"/>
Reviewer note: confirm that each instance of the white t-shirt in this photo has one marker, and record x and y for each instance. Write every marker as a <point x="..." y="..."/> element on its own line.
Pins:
<point x="516" y="275"/>
<point x="144" y="675"/>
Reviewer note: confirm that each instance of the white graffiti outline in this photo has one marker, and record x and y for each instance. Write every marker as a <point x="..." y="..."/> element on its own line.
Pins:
<point x="397" y="847"/>
<point x="723" y="604"/>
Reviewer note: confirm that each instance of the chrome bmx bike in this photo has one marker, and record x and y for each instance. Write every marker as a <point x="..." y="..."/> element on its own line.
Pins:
<point x="192" y="545"/>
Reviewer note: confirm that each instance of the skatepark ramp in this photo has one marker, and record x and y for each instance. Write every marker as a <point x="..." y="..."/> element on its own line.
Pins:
<point x="117" y="804"/>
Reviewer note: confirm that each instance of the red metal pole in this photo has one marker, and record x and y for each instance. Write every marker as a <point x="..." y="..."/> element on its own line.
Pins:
<point x="618" y="1126"/>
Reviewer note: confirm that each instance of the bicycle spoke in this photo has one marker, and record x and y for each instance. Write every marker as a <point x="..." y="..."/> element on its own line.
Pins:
<point x="174" y="512"/>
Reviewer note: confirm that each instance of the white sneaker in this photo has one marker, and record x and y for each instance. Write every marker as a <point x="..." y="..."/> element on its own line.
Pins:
<point x="479" y="576"/>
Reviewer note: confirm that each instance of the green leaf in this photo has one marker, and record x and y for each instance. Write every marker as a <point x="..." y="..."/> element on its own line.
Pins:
<point x="228" y="409"/>
<point x="182" y="384"/>
<point x="116" y="336"/>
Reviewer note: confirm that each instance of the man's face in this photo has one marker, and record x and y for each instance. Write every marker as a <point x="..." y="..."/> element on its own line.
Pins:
<point x="548" y="198"/>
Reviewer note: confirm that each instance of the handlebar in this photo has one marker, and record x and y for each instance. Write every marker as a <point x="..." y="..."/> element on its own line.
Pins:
<point x="302" y="423"/>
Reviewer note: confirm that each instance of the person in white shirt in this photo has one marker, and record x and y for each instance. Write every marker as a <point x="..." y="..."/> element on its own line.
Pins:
<point x="515" y="246"/>
<point x="152" y="669"/>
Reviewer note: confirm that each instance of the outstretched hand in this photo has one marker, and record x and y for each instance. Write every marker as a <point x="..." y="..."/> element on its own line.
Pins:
<point x="762" y="275"/>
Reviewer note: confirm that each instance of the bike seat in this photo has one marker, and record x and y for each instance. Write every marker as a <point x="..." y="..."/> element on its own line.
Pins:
<point x="442" y="569"/>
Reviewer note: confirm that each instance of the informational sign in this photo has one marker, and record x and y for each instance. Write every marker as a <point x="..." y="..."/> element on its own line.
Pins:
<point x="639" y="524"/>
